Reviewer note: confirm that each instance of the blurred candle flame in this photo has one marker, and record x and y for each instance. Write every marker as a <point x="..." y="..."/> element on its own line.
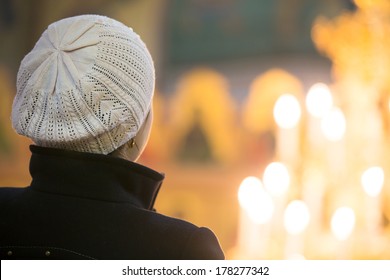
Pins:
<point x="287" y="111"/>
<point x="255" y="200"/>
<point x="319" y="100"/>
<point x="276" y="178"/>
<point x="333" y="125"/>
<point x="372" y="180"/>
<point x="343" y="223"/>
<point x="296" y="217"/>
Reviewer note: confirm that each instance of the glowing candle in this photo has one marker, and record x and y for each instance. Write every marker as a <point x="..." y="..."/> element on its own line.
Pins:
<point x="372" y="181"/>
<point x="287" y="114"/>
<point x="256" y="209"/>
<point x="342" y="225"/>
<point x="319" y="102"/>
<point x="296" y="219"/>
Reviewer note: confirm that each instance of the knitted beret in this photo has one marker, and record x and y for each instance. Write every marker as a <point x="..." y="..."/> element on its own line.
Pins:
<point x="86" y="86"/>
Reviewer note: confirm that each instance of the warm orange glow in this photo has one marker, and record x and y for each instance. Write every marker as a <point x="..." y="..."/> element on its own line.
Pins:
<point x="377" y="5"/>
<point x="203" y="97"/>
<point x="257" y="111"/>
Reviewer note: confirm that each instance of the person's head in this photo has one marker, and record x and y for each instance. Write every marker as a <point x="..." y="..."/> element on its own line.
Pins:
<point x="86" y="86"/>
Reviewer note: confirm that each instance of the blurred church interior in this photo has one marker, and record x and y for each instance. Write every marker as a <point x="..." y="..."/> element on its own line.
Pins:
<point x="242" y="150"/>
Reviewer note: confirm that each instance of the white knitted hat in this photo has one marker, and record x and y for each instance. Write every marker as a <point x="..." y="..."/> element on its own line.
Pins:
<point x="87" y="86"/>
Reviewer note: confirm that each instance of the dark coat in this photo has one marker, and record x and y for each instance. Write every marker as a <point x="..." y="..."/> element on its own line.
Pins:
<point x="82" y="205"/>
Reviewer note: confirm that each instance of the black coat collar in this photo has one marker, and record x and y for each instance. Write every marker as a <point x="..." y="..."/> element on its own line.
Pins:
<point x="93" y="176"/>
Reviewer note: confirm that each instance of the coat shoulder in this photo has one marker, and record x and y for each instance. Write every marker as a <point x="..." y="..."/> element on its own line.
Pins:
<point x="203" y="245"/>
<point x="8" y="194"/>
<point x="199" y="243"/>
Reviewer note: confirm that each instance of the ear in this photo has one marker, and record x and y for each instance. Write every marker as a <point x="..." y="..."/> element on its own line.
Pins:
<point x="142" y="136"/>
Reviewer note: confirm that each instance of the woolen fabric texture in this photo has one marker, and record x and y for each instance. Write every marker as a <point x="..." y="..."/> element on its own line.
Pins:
<point x="93" y="206"/>
<point x="87" y="86"/>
